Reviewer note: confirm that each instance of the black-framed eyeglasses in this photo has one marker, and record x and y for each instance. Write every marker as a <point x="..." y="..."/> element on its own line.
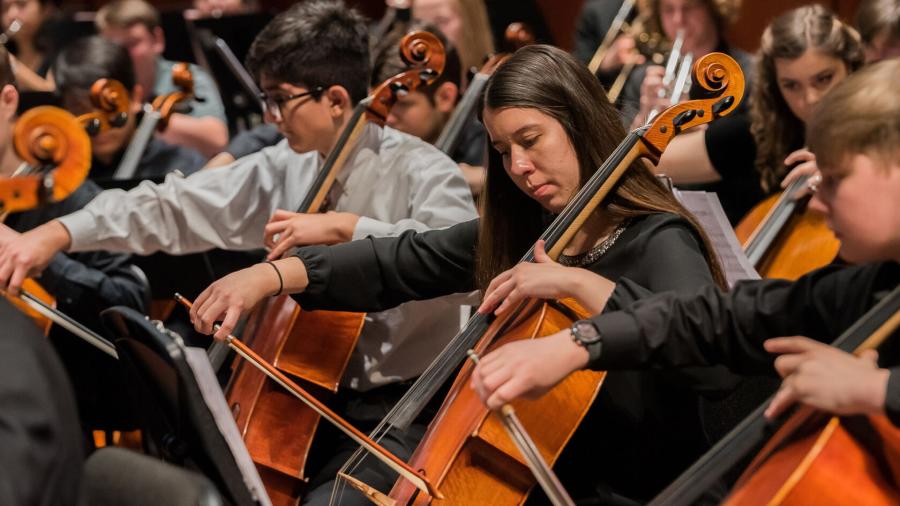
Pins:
<point x="273" y="105"/>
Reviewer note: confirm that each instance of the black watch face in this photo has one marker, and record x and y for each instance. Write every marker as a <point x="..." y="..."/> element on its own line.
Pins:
<point x="587" y="331"/>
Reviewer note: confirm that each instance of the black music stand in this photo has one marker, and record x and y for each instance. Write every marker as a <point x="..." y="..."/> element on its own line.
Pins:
<point x="185" y="417"/>
<point x="224" y="43"/>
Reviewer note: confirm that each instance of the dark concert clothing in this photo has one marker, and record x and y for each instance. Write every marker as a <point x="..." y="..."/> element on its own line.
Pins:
<point x="253" y="140"/>
<point x="651" y="417"/>
<point x="712" y="327"/>
<point x="595" y="20"/>
<point x="471" y="146"/>
<point x="85" y="284"/>
<point x="40" y="442"/>
<point x="732" y="151"/>
<point x="158" y="159"/>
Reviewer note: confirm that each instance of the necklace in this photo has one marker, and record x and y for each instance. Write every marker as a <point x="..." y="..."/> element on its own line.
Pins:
<point x="589" y="257"/>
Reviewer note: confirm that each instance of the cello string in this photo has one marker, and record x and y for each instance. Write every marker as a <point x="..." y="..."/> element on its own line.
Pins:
<point x="420" y="392"/>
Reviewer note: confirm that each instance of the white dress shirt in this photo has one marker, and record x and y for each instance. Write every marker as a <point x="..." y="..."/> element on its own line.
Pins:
<point x="393" y="181"/>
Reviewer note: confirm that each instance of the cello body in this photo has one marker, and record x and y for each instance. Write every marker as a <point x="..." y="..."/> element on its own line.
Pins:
<point x="804" y="243"/>
<point x="311" y="347"/>
<point x="468" y="454"/>
<point x="825" y="460"/>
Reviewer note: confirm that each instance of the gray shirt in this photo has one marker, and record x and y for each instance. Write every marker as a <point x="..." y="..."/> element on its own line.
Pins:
<point x="394" y="181"/>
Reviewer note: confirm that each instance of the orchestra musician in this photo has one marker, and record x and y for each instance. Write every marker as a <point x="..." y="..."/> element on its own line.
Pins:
<point x="766" y="323"/>
<point x="426" y="111"/>
<point x="464" y="23"/>
<point x="703" y="24"/>
<point x="77" y="67"/>
<point x="550" y="127"/>
<point x="662" y="323"/>
<point x="878" y="22"/>
<point x="312" y="62"/>
<point x="33" y="31"/>
<point x="135" y="24"/>
<point x="803" y="53"/>
<point x="83" y="283"/>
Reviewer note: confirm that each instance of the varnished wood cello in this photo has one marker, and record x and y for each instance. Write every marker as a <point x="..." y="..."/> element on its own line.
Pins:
<point x="156" y="119"/>
<point x="313" y="347"/>
<point x="466" y="453"/>
<point x="813" y="458"/>
<point x="56" y="151"/>
<point x="831" y="460"/>
<point x="517" y="35"/>
<point x="783" y="238"/>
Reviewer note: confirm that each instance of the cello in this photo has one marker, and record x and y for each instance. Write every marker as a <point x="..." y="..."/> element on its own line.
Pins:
<point x="855" y="458"/>
<point x="517" y="35"/>
<point x="783" y="238"/>
<point x="466" y="453"/>
<point x="313" y="347"/>
<point x="156" y="118"/>
<point x="56" y="151"/>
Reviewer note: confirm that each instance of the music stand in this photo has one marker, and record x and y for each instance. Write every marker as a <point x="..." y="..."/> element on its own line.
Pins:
<point x="224" y="43"/>
<point x="184" y="414"/>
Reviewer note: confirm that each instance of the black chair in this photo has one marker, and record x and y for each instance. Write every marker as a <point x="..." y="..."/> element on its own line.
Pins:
<point x="178" y="423"/>
<point x="114" y="476"/>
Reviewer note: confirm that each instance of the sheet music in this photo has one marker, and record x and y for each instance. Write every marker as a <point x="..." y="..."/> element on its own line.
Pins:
<point x="198" y="361"/>
<point x="708" y="210"/>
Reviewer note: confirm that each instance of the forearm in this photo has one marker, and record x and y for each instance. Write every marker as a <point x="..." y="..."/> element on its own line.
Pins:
<point x="377" y="274"/>
<point x="225" y="209"/>
<point x="712" y="327"/>
<point x="207" y="135"/>
<point x="592" y="291"/>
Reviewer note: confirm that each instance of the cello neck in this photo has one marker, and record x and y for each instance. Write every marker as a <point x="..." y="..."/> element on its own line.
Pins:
<point x="870" y="330"/>
<point x="449" y="138"/>
<point x="771" y="226"/>
<point x="314" y="199"/>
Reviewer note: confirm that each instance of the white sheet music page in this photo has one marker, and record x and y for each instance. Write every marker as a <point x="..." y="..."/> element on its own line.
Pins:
<point x="708" y="210"/>
<point x="198" y="361"/>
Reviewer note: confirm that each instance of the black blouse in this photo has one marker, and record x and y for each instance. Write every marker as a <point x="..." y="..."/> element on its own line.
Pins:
<point x="649" y="421"/>
<point x="712" y="327"/>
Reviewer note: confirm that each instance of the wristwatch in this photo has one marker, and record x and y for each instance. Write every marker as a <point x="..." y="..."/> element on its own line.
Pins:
<point x="585" y="333"/>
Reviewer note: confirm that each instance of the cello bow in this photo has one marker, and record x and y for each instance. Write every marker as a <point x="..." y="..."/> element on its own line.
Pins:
<point x="389" y="459"/>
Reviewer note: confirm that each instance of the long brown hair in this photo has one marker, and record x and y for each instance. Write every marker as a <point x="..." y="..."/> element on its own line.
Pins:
<point x="776" y="130"/>
<point x="552" y="82"/>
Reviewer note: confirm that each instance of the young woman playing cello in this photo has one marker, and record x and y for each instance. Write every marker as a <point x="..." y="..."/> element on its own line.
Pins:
<point x="856" y="144"/>
<point x="550" y="126"/>
<point x="803" y="54"/>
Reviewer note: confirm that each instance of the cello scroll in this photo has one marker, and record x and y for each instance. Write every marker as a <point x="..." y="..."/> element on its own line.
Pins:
<point x="717" y="73"/>
<point x="110" y="100"/>
<point x="55" y="142"/>
<point x="165" y="105"/>
<point x="425" y="53"/>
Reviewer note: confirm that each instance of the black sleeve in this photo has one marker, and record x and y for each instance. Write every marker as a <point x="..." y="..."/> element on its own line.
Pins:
<point x="731" y="147"/>
<point x="253" y="140"/>
<point x="375" y="274"/>
<point x="713" y="327"/>
<point x="87" y="283"/>
<point x="892" y="397"/>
